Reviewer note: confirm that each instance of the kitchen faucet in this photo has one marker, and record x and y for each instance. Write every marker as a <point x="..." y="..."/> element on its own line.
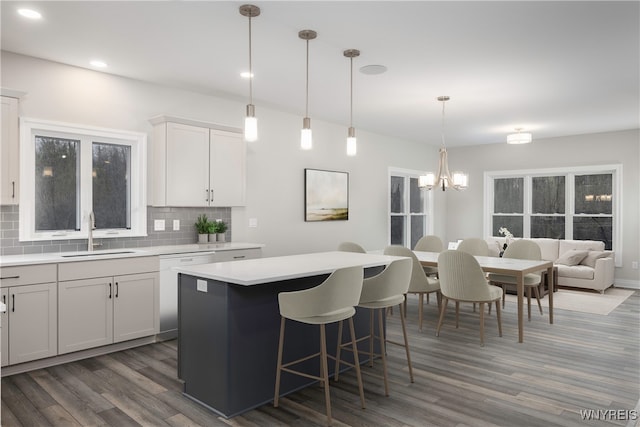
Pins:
<point x="92" y="226"/>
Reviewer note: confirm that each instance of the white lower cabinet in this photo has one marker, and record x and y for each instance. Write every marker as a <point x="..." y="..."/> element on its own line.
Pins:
<point x="29" y="324"/>
<point x="106" y="310"/>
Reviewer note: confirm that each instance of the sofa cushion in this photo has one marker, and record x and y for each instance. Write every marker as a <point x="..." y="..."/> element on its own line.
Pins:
<point x="585" y="245"/>
<point x="576" y="271"/>
<point x="572" y="257"/>
<point x="593" y="256"/>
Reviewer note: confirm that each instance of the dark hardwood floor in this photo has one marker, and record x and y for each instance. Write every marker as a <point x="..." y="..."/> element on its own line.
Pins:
<point x="583" y="362"/>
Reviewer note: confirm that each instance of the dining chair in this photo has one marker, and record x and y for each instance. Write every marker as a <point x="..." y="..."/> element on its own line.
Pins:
<point x="462" y="280"/>
<point x="521" y="249"/>
<point x="474" y="246"/>
<point x="333" y="300"/>
<point x="380" y="292"/>
<point x="351" y="247"/>
<point x="420" y="284"/>
<point x="429" y="243"/>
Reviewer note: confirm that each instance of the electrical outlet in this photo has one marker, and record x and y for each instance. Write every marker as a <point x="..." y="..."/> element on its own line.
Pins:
<point x="158" y="225"/>
<point x="634" y="265"/>
<point x="201" y="285"/>
<point x="176" y="224"/>
<point x="253" y="222"/>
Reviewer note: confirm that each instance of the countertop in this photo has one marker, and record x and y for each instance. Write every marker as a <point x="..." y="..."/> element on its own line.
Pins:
<point x="265" y="270"/>
<point x="59" y="257"/>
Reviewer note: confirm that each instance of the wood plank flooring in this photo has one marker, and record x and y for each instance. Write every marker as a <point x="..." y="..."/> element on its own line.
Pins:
<point x="582" y="362"/>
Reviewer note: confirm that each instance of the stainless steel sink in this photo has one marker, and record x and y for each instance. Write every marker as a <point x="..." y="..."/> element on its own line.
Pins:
<point x="97" y="253"/>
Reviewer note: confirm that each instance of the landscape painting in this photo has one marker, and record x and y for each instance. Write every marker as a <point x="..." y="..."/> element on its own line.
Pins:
<point x="326" y="195"/>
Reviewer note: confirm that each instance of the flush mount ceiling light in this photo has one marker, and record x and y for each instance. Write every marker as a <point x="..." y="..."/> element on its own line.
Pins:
<point x="98" y="63"/>
<point x="351" y="135"/>
<point x="444" y="179"/>
<point x="519" y="137"/>
<point x="373" y="69"/>
<point x="250" y="121"/>
<point x="306" y="140"/>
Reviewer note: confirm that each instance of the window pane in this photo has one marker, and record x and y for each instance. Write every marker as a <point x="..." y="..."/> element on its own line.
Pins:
<point x="594" y="194"/>
<point x="397" y="230"/>
<point x="594" y="228"/>
<point x="416" y="197"/>
<point x="417" y="229"/>
<point x="508" y="195"/>
<point x="111" y="185"/>
<point x="551" y="227"/>
<point x="56" y="183"/>
<point x="548" y="194"/>
<point x="397" y="194"/>
<point x="511" y="223"/>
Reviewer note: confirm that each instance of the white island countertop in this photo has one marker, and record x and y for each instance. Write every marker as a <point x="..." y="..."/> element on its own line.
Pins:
<point x="274" y="269"/>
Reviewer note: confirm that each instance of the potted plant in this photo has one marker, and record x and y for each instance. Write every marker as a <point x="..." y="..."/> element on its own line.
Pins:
<point x="221" y="228"/>
<point x="212" y="229"/>
<point x="202" y="227"/>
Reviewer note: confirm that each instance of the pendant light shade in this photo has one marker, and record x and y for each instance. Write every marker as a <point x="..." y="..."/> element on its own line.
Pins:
<point x="306" y="138"/>
<point x="250" y="122"/>
<point x="519" y="137"/>
<point x="351" y="135"/>
<point x="444" y="179"/>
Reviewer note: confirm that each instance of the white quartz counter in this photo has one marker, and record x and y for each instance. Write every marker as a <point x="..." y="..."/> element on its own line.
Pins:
<point x="58" y="257"/>
<point x="274" y="269"/>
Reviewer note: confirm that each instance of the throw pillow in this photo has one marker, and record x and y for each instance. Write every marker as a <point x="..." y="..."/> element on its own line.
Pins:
<point x="572" y="257"/>
<point x="590" y="259"/>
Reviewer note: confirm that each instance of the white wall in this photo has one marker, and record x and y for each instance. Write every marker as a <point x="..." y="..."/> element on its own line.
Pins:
<point x="465" y="209"/>
<point x="275" y="179"/>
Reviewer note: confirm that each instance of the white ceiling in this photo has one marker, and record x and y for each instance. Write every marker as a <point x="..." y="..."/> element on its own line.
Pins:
<point x="552" y="68"/>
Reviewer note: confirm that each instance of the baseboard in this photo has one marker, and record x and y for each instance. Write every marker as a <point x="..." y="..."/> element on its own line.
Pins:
<point x="624" y="283"/>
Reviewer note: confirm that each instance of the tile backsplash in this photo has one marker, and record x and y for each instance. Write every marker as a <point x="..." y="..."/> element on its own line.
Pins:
<point x="9" y="223"/>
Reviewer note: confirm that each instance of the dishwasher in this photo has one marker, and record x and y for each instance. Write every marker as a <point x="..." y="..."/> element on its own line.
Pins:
<point x="169" y="288"/>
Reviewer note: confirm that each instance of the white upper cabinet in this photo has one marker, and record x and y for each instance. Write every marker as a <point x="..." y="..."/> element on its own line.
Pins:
<point x="196" y="164"/>
<point x="9" y="152"/>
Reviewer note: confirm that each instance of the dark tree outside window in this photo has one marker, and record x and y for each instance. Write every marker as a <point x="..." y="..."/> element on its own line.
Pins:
<point x="111" y="185"/>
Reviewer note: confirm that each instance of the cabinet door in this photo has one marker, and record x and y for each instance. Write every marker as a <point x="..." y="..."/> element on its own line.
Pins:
<point x="33" y="323"/>
<point x="228" y="164"/>
<point x="135" y="306"/>
<point x="9" y="157"/>
<point x="4" y="325"/>
<point x="187" y="165"/>
<point x="86" y="314"/>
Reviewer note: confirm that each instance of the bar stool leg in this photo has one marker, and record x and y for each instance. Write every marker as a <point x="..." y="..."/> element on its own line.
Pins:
<point x="276" y="396"/>
<point x="325" y="371"/>
<point x="383" y="351"/>
<point x="406" y="343"/>
<point x="337" y="373"/>
<point x="371" y="335"/>
<point x="356" y="361"/>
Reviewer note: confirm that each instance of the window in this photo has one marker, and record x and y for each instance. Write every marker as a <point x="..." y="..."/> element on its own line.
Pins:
<point x="576" y="203"/>
<point x="409" y="218"/>
<point x="68" y="171"/>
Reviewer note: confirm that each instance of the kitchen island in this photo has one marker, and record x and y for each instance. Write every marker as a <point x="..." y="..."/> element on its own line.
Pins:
<point x="228" y="326"/>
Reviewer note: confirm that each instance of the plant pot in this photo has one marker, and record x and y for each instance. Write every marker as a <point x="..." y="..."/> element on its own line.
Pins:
<point x="221" y="237"/>
<point x="212" y="238"/>
<point x="203" y="238"/>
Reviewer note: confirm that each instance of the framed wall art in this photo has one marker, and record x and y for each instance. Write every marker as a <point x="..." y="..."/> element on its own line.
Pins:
<point x="326" y="196"/>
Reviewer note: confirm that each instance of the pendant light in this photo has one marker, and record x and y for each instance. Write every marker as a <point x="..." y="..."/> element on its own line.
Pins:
<point x="351" y="135"/>
<point x="519" y="137"/>
<point x="250" y="121"/>
<point x="306" y="139"/>
<point x="444" y="179"/>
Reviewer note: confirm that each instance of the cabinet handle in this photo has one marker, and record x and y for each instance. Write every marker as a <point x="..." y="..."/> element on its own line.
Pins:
<point x="4" y="299"/>
<point x="9" y="277"/>
<point x="239" y="257"/>
<point x="116" y="289"/>
<point x="13" y="189"/>
<point x="109" y="290"/>
<point x="207" y="199"/>
<point x="13" y="302"/>
<point x="186" y="260"/>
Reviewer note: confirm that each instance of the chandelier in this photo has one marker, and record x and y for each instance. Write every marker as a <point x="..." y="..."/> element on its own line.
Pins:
<point x="444" y="179"/>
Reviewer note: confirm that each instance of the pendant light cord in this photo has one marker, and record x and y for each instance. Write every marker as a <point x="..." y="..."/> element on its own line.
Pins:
<point x="351" y="96"/>
<point x="306" y="108"/>
<point x="442" y="126"/>
<point x="250" y="66"/>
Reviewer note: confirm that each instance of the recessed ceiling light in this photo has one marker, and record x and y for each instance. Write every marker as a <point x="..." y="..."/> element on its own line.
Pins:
<point x="246" y="75"/>
<point x="373" y="69"/>
<point x="99" y="64"/>
<point x="29" y="13"/>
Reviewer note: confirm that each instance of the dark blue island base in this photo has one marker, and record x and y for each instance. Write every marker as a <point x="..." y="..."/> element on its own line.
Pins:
<point x="228" y="342"/>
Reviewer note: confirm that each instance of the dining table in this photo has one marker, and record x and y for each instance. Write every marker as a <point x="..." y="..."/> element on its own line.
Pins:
<point x="517" y="268"/>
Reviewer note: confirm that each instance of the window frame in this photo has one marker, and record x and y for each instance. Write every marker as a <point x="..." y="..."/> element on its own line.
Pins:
<point x="427" y="208"/>
<point x="569" y="172"/>
<point x="137" y="141"/>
